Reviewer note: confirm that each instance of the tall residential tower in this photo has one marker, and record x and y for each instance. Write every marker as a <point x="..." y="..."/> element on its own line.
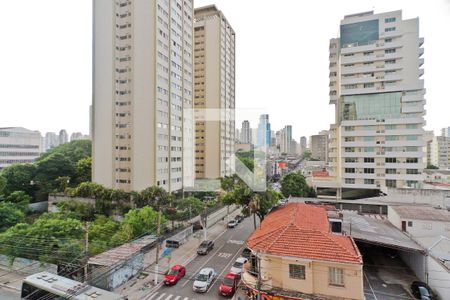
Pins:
<point x="376" y="87"/>
<point x="142" y="81"/>
<point x="214" y="85"/>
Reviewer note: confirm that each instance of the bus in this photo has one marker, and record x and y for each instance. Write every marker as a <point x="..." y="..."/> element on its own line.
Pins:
<point x="48" y="286"/>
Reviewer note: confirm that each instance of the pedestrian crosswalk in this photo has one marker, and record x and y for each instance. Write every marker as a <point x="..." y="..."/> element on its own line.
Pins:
<point x="165" y="296"/>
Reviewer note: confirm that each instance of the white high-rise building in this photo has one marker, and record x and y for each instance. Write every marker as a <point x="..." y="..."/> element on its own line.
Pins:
<point x="51" y="140"/>
<point x="142" y="81"/>
<point x="63" y="137"/>
<point x="214" y="71"/>
<point x="439" y="149"/>
<point x="19" y="145"/>
<point x="246" y="135"/>
<point x="445" y="132"/>
<point x="376" y="86"/>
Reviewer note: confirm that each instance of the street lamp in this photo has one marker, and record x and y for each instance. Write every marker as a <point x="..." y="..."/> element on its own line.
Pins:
<point x="158" y="231"/>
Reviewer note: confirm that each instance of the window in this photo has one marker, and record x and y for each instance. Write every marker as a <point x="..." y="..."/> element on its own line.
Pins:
<point x="369" y="149"/>
<point x="367" y="53"/>
<point x="410" y="224"/>
<point x="390" y="127"/>
<point x="349" y="170"/>
<point x="391" y="171"/>
<point x="390" y="61"/>
<point x="391" y="183"/>
<point x="412" y="126"/>
<point x="427" y="226"/>
<point x="369" y="181"/>
<point x="350" y="180"/>
<point x="350" y="86"/>
<point x="389" y="20"/>
<point x="412" y="171"/>
<point x="391" y="138"/>
<point x="351" y="160"/>
<point x="412" y="160"/>
<point x="387" y="51"/>
<point x="369" y="159"/>
<point x="388" y="40"/>
<point x="369" y="170"/>
<point x="336" y="276"/>
<point x="388" y="29"/>
<point x="349" y="128"/>
<point x="411" y="137"/>
<point x="349" y="139"/>
<point x="368" y="138"/>
<point x="369" y="85"/>
<point x="349" y="149"/>
<point x="390" y="160"/>
<point x="297" y="271"/>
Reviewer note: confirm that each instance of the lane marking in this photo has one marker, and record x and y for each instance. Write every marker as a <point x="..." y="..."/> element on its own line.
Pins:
<point x="160" y="297"/>
<point x="151" y="296"/>
<point x="168" y="297"/>
<point x="177" y="297"/>
<point x="237" y="242"/>
<point x="224" y="255"/>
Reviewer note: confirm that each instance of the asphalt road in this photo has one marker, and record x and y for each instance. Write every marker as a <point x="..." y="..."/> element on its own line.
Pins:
<point x="227" y="248"/>
<point x="7" y="294"/>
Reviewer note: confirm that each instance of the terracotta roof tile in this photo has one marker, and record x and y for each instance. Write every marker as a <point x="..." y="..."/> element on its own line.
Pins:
<point x="302" y="230"/>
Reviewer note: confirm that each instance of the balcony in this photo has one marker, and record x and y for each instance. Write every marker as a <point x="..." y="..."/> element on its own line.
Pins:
<point x="421" y="41"/>
<point x="421" y="62"/>
<point x="421" y="72"/>
<point x="421" y="51"/>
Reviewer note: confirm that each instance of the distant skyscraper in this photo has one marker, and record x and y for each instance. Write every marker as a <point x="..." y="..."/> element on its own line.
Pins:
<point x="142" y="82"/>
<point x="440" y="152"/>
<point x="445" y="132"/>
<point x="286" y="139"/>
<point x="19" y="145"/>
<point x="246" y="134"/>
<point x="63" y="137"/>
<point x="376" y="86"/>
<point x="319" y="146"/>
<point x="264" y="132"/>
<point x="303" y="144"/>
<point x="214" y="83"/>
<point x="51" y="140"/>
<point x="75" y="136"/>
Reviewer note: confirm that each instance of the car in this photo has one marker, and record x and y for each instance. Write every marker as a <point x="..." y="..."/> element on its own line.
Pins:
<point x="238" y="265"/>
<point x="422" y="291"/>
<point x="229" y="284"/>
<point x="205" y="247"/>
<point x="239" y="218"/>
<point x="204" y="280"/>
<point x="232" y="223"/>
<point x="175" y="273"/>
<point x="246" y="253"/>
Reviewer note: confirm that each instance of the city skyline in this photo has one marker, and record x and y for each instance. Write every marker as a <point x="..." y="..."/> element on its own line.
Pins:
<point x="69" y="56"/>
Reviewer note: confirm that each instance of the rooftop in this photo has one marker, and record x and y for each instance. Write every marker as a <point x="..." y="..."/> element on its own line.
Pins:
<point x="422" y="213"/>
<point x="123" y="252"/>
<point x="302" y="230"/>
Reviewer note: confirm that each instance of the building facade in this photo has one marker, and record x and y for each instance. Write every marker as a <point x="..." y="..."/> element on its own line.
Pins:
<point x="264" y="132"/>
<point x="142" y="83"/>
<point x="296" y="256"/>
<point x="303" y="144"/>
<point x="439" y="152"/>
<point x="376" y="87"/>
<point x="286" y="139"/>
<point x="445" y="132"/>
<point x="246" y="134"/>
<point x="214" y="91"/>
<point x="319" y="146"/>
<point x="19" y="145"/>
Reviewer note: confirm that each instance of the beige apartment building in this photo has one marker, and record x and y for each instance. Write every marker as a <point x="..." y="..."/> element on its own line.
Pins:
<point x="142" y="82"/>
<point x="214" y="91"/>
<point x="319" y="146"/>
<point x="297" y="256"/>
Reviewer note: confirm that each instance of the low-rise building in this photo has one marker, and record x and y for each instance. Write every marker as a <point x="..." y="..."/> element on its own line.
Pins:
<point x="19" y="145"/>
<point x="297" y="256"/>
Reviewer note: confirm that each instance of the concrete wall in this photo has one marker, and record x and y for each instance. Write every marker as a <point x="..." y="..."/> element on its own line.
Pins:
<point x="53" y="200"/>
<point x="418" y="196"/>
<point x="25" y="265"/>
<point x="416" y="261"/>
<point x="38" y="207"/>
<point x="438" y="278"/>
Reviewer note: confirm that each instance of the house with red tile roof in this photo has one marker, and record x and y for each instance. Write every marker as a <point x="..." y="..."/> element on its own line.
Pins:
<point x="295" y="255"/>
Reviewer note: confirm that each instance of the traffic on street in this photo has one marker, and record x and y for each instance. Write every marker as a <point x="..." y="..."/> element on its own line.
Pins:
<point x="214" y="273"/>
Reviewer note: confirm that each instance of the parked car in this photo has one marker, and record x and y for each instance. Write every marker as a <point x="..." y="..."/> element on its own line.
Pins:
<point x="238" y="265"/>
<point x="239" y="218"/>
<point x="174" y="243"/>
<point x="246" y="253"/>
<point x="229" y="284"/>
<point x="204" y="280"/>
<point x="422" y="291"/>
<point x="205" y="247"/>
<point x="175" y="273"/>
<point x="232" y="223"/>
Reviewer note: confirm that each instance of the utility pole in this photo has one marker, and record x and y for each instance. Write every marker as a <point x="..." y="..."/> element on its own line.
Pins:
<point x="204" y="223"/>
<point x="158" y="232"/>
<point x="86" y="250"/>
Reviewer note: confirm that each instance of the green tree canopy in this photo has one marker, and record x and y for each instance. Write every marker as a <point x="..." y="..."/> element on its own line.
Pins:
<point x="294" y="184"/>
<point x="19" y="178"/>
<point x="77" y="210"/>
<point x="153" y="196"/>
<point x="83" y="169"/>
<point x="10" y="215"/>
<point x="100" y="233"/>
<point x="20" y="199"/>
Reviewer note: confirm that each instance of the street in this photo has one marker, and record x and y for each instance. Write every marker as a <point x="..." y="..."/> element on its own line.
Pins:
<point x="227" y="248"/>
<point x="7" y="294"/>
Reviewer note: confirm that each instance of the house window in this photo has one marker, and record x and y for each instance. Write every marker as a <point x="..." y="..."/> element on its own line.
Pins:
<point x="336" y="276"/>
<point x="427" y="226"/>
<point x="296" y="271"/>
<point x="350" y="180"/>
<point x="410" y="223"/>
<point x="369" y="159"/>
<point x="389" y="20"/>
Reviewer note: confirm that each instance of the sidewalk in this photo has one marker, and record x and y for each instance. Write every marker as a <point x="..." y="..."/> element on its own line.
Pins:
<point x="142" y="284"/>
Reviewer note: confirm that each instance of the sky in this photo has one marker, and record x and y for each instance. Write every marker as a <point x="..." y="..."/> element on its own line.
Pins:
<point x="281" y="60"/>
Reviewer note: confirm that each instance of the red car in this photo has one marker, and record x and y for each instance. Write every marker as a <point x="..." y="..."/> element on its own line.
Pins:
<point x="229" y="284"/>
<point x="175" y="273"/>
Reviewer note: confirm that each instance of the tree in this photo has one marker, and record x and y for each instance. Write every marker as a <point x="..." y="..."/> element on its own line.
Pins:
<point x="153" y="196"/>
<point x="10" y="215"/>
<point x="50" y="168"/>
<point x="19" y="178"/>
<point x="100" y="233"/>
<point x="307" y="155"/>
<point x="2" y="184"/>
<point x="432" y="167"/>
<point x="294" y="184"/>
<point x="83" y="170"/>
<point x="20" y="199"/>
<point x="189" y="207"/>
<point x="77" y="210"/>
<point x="74" y="151"/>
<point x="138" y="222"/>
